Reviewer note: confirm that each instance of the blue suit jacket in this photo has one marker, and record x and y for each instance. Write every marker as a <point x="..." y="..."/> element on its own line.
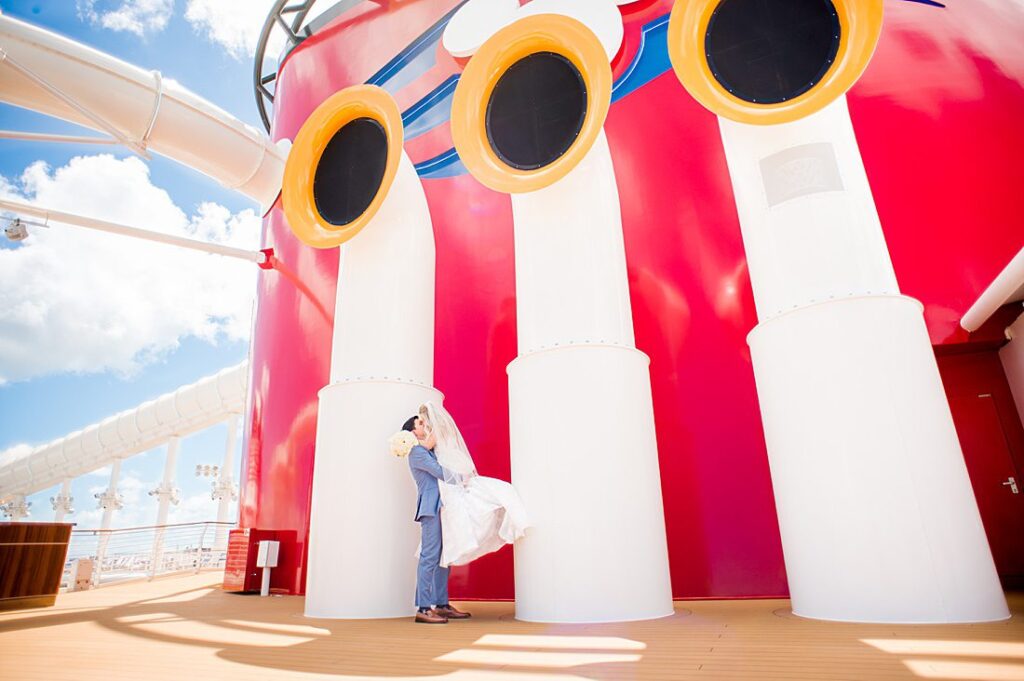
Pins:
<point x="426" y="471"/>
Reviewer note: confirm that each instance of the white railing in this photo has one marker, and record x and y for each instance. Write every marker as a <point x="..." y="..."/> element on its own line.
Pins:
<point x="146" y="552"/>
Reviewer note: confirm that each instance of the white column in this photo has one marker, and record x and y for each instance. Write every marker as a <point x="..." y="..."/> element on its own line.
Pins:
<point x="16" y="509"/>
<point x="362" y="538"/>
<point x="581" y="416"/>
<point x="109" y="501"/>
<point x="1012" y="356"/>
<point x="62" y="503"/>
<point x="224" y="490"/>
<point x="876" y="511"/>
<point x="166" y="494"/>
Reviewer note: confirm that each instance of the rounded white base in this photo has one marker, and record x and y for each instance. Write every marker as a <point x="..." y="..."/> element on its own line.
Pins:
<point x="362" y="536"/>
<point x="876" y="510"/>
<point x="585" y="462"/>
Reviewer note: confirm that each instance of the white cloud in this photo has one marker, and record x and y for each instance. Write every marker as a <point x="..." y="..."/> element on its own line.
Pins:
<point x="76" y="300"/>
<point x="234" y="24"/>
<point x="135" y="16"/>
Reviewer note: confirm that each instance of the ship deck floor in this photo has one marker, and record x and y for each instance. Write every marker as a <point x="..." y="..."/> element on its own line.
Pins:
<point x="187" y="628"/>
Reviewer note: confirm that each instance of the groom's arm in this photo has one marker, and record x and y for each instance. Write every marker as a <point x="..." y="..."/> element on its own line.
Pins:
<point x="421" y="460"/>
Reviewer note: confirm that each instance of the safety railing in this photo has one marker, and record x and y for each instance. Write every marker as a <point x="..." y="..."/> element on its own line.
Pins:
<point x="289" y="22"/>
<point x="144" y="552"/>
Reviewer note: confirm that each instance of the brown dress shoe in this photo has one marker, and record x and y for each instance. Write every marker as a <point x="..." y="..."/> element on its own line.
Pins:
<point x="431" y="617"/>
<point x="452" y="613"/>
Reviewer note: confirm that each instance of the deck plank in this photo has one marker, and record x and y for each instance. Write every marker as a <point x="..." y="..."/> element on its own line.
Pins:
<point x="178" y="627"/>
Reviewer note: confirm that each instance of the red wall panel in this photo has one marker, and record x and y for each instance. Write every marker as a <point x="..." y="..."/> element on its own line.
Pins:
<point x="934" y="116"/>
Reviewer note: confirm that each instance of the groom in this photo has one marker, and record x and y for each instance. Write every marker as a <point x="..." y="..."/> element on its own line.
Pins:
<point x="432" y="606"/>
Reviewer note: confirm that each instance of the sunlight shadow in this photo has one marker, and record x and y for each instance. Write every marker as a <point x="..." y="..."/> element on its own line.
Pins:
<point x="525" y="658"/>
<point x="975" y="671"/>
<point x="560" y="642"/>
<point x="960" y="648"/>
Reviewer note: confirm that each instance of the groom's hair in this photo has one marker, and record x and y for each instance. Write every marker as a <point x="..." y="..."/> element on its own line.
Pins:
<point x="410" y="424"/>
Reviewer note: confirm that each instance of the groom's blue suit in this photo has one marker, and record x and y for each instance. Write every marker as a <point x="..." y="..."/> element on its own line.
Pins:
<point x="431" y="578"/>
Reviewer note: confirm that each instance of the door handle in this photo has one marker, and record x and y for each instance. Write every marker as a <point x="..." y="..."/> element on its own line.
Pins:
<point x="1013" y="485"/>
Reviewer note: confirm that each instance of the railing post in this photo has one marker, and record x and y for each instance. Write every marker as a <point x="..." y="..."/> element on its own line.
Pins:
<point x="199" y="547"/>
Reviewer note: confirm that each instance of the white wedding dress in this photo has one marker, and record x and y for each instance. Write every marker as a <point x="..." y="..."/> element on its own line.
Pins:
<point x="479" y="515"/>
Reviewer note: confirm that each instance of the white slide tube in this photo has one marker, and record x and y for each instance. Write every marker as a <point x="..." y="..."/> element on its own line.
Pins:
<point x="189" y="409"/>
<point x="51" y="74"/>
<point x="583" y="447"/>
<point x="878" y="519"/>
<point x="362" y="537"/>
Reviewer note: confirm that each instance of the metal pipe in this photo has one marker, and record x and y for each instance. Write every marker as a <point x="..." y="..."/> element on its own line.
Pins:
<point x="1002" y="288"/>
<point x="47" y="137"/>
<point x="258" y="257"/>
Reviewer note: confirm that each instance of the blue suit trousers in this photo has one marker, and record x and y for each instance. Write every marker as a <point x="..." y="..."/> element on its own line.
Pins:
<point x="431" y="578"/>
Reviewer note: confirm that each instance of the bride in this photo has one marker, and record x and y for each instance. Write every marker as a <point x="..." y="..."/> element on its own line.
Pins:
<point x="479" y="515"/>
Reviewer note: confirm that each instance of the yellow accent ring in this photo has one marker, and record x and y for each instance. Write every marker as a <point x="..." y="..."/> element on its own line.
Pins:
<point x="340" y="109"/>
<point x="555" y="33"/>
<point x="861" y="25"/>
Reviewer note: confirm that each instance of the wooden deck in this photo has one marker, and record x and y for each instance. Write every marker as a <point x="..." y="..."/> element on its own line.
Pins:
<point x="185" y="628"/>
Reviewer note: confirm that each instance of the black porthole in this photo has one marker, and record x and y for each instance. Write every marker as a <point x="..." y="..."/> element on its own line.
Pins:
<point x="536" y="111"/>
<point x="771" y="51"/>
<point x="350" y="171"/>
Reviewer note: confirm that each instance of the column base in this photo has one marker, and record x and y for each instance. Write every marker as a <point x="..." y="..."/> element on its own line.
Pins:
<point x="878" y="518"/>
<point x="362" y="536"/>
<point x="585" y="462"/>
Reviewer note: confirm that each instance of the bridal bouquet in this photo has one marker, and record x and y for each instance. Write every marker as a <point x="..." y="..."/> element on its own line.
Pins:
<point x="402" y="442"/>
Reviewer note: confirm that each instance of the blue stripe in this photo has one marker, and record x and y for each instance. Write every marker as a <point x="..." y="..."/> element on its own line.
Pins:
<point x="651" y="59"/>
<point x="431" y="111"/>
<point x="447" y="164"/>
<point x="409" y="55"/>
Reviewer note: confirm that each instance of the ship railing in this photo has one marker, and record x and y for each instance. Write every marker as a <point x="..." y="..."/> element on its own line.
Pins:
<point x="101" y="557"/>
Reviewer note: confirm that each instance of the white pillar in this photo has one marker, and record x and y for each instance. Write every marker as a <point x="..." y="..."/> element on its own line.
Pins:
<point x="109" y="501"/>
<point x="16" y="509"/>
<point x="62" y="503"/>
<point x="581" y="416"/>
<point x="362" y="538"/>
<point x="224" y="490"/>
<point x="166" y="494"/>
<point x="876" y="511"/>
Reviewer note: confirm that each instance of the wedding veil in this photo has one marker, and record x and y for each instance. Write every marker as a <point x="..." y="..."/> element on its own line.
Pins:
<point x="450" y="449"/>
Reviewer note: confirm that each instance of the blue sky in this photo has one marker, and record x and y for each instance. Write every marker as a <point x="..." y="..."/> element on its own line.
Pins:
<point x="54" y="376"/>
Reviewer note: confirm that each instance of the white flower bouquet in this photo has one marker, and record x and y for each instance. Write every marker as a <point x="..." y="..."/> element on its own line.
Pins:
<point x="402" y="442"/>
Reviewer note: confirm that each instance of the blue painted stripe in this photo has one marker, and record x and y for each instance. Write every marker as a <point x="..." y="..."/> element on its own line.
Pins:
<point x="447" y="164"/>
<point x="409" y="56"/>
<point x="650" y="61"/>
<point x="431" y="111"/>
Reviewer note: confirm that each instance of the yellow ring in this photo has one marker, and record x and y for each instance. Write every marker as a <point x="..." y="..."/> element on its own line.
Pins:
<point x="340" y="109"/>
<point x="861" y="23"/>
<point x="539" y="33"/>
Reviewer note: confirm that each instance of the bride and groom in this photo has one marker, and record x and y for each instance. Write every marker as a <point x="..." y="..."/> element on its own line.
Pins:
<point x="462" y="515"/>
